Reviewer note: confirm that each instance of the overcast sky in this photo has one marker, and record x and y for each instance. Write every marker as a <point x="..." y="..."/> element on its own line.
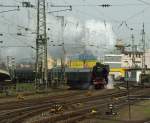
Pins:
<point x="134" y="12"/>
<point x="87" y="21"/>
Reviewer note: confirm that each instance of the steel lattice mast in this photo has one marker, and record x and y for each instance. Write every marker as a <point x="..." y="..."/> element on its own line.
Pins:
<point x="41" y="45"/>
<point x="143" y="43"/>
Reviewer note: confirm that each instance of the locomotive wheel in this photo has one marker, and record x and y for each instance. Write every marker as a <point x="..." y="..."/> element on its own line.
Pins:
<point x="96" y="87"/>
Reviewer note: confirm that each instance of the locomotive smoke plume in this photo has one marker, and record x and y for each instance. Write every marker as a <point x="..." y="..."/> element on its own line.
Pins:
<point x="78" y="36"/>
<point x="110" y="84"/>
<point x="100" y="35"/>
<point x="93" y="37"/>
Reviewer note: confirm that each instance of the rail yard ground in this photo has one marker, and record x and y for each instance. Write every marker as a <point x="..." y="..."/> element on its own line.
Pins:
<point x="140" y="113"/>
<point x="73" y="106"/>
<point x="16" y="96"/>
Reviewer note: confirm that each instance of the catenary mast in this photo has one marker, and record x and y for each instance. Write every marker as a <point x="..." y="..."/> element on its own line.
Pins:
<point x="41" y="46"/>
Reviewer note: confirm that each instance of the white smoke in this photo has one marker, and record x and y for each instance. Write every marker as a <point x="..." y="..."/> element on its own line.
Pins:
<point x="78" y="36"/>
<point x="100" y="36"/>
<point x="110" y="84"/>
<point x="93" y="37"/>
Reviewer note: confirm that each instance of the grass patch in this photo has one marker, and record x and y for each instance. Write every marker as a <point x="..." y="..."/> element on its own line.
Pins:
<point x="139" y="111"/>
<point x="25" y="87"/>
<point x="13" y="90"/>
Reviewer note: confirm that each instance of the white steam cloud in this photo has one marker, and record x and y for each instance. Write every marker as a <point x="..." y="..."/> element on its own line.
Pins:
<point x="99" y="37"/>
<point x="93" y="37"/>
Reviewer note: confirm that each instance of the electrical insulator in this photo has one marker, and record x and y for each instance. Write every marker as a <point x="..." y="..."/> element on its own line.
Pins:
<point x="27" y="5"/>
<point x="70" y="8"/>
<point x="19" y="33"/>
<point x="105" y="5"/>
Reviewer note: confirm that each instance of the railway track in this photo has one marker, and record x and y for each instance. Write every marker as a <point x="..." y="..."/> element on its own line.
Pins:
<point x="26" y="103"/>
<point x="21" y="114"/>
<point x="25" y="109"/>
<point x="81" y="113"/>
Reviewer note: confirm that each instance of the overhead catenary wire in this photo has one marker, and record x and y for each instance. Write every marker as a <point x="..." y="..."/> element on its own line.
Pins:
<point x="93" y="16"/>
<point x="103" y="5"/>
<point x="118" y="21"/>
<point x="144" y="2"/>
<point x="66" y="22"/>
<point x="16" y="6"/>
<point x="8" y="21"/>
<point x="60" y="10"/>
<point x="86" y="13"/>
<point x="17" y="1"/>
<point x="131" y="17"/>
<point x="94" y="5"/>
<point x="14" y="46"/>
<point x="98" y="17"/>
<point x="9" y="10"/>
<point x="112" y="20"/>
<point x="14" y="37"/>
<point x="137" y="14"/>
<point x="11" y="6"/>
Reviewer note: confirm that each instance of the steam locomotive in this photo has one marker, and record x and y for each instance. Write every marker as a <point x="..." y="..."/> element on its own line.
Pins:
<point x="83" y="78"/>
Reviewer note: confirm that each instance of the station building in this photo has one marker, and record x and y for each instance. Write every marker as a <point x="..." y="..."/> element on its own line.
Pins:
<point x="119" y="63"/>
